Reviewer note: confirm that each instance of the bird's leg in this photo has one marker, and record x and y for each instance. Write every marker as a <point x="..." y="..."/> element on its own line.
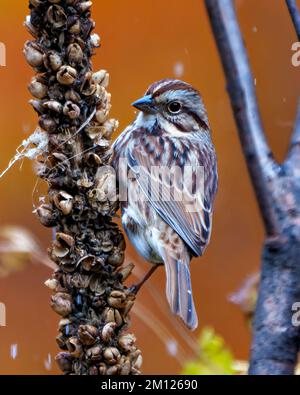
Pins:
<point x="135" y="288"/>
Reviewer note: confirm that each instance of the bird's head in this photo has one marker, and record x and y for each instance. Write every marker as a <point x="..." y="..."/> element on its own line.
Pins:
<point x="174" y="103"/>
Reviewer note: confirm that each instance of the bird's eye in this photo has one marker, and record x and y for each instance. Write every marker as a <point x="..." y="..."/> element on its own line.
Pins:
<point x="174" y="107"/>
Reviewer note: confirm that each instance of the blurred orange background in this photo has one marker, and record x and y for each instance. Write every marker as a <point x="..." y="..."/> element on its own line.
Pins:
<point x="143" y="42"/>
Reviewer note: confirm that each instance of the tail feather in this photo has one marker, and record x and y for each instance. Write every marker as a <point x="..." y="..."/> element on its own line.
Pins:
<point x="179" y="291"/>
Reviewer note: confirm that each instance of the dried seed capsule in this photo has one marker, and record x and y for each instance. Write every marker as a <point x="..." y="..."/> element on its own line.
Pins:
<point x="125" y="366"/>
<point x="74" y="347"/>
<point x="85" y="6"/>
<point x="108" y="331"/>
<point x="52" y="284"/>
<point x="75" y="54"/>
<point x="56" y="16"/>
<point x="37" y="89"/>
<point x="80" y="281"/>
<point x="88" y="87"/>
<point x="75" y="27"/>
<point x="61" y="341"/>
<point x="53" y="105"/>
<point x="87" y="334"/>
<point x="73" y="96"/>
<point x="64" y="361"/>
<point x="101" y="78"/>
<point x="117" y="299"/>
<point x="37" y="106"/>
<point x="110" y="126"/>
<point x="94" y="354"/>
<point x="127" y="342"/>
<point x="116" y="258"/>
<point x="33" y="54"/>
<point x="102" y="369"/>
<point x="95" y="40"/>
<point x="126" y="271"/>
<point x="112" y="315"/>
<point x="101" y="115"/>
<point x="71" y="110"/>
<point x="138" y="362"/>
<point x="61" y="303"/>
<point x="111" y="355"/>
<point x="64" y="202"/>
<point x="66" y="75"/>
<point x="113" y="370"/>
<point x="47" y="123"/>
<point x="53" y="60"/>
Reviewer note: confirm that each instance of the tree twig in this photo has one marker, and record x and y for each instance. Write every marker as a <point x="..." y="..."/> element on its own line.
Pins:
<point x="295" y="15"/>
<point x="240" y="85"/>
<point x="275" y="342"/>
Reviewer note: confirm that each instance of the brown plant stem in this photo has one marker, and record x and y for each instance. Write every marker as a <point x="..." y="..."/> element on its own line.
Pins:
<point x="73" y="108"/>
<point x="275" y="343"/>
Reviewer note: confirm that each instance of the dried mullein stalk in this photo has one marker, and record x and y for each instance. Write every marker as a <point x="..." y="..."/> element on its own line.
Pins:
<point x="73" y="108"/>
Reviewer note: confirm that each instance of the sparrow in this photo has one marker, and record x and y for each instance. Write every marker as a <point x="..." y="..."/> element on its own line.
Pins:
<point x="166" y="215"/>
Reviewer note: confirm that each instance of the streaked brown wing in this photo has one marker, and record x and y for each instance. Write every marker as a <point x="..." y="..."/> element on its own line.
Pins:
<point x="191" y="215"/>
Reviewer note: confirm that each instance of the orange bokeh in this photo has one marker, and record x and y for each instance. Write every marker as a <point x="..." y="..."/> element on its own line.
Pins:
<point x="143" y="42"/>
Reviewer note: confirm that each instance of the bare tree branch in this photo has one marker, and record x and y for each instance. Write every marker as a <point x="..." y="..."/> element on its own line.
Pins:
<point x="295" y="15"/>
<point x="276" y="339"/>
<point x="293" y="157"/>
<point x="241" y="89"/>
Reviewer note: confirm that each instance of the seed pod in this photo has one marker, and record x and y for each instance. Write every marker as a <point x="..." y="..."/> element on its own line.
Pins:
<point x="75" y="27"/>
<point x="101" y="115"/>
<point x="53" y="60"/>
<point x="61" y="303"/>
<point x="61" y="341"/>
<point x="37" y="106"/>
<point x="112" y="315"/>
<point x="64" y="361"/>
<point x="37" y="89"/>
<point x="138" y="362"/>
<point x="80" y="281"/>
<point x="95" y="40"/>
<point x="93" y="371"/>
<point x="111" y="355"/>
<point x="66" y="75"/>
<point x="126" y="271"/>
<point x="116" y="258"/>
<point x="47" y="123"/>
<point x="56" y="16"/>
<point x="87" y="334"/>
<point x="85" y="6"/>
<point x="108" y="331"/>
<point x="117" y="299"/>
<point x="102" y="369"/>
<point x="94" y="354"/>
<point x="74" y="347"/>
<point x="53" y="105"/>
<point x="73" y="96"/>
<point x="51" y="284"/>
<point x="101" y="78"/>
<point x="33" y="54"/>
<point x="71" y="110"/>
<point x="127" y="342"/>
<point x="125" y="366"/>
<point x="113" y="370"/>
<point x="97" y="285"/>
<point x="75" y="54"/>
<point x="110" y="126"/>
<point x="88" y="87"/>
<point x="64" y="202"/>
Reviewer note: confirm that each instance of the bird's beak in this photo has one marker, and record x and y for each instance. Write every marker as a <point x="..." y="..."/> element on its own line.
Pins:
<point x="145" y="104"/>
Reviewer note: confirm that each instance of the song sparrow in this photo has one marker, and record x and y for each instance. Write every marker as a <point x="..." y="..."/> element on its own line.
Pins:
<point x="171" y="132"/>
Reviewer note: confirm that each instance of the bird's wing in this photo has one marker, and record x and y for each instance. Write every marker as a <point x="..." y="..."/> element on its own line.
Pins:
<point x="187" y="205"/>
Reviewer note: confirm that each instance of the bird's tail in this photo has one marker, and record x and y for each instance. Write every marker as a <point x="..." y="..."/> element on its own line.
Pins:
<point x="179" y="290"/>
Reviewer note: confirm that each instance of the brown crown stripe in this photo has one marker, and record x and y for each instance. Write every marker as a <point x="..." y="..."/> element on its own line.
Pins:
<point x="168" y="84"/>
